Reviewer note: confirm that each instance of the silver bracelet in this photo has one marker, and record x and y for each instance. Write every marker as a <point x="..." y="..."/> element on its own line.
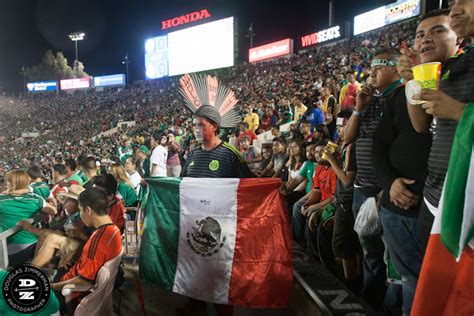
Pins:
<point x="357" y="113"/>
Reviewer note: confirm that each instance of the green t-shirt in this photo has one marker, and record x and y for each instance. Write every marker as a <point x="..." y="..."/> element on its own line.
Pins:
<point x="82" y="176"/>
<point x="124" y="152"/>
<point x="14" y="208"/>
<point x="307" y="171"/>
<point x="40" y="188"/>
<point x="75" y="177"/>
<point x="51" y="308"/>
<point x="128" y="193"/>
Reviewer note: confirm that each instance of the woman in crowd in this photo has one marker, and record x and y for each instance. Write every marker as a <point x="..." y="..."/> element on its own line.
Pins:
<point x="18" y="203"/>
<point x="266" y="156"/>
<point x="173" y="164"/>
<point x="125" y="187"/>
<point x="132" y="173"/>
<point x="295" y="162"/>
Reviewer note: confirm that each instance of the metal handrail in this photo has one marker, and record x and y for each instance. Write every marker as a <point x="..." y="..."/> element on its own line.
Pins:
<point x="3" y="242"/>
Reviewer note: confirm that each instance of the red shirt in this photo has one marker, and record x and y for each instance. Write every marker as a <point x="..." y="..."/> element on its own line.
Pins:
<point x="104" y="244"/>
<point x="59" y="188"/>
<point x="324" y="179"/>
<point x="350" y="99"/>
<point x="116" y="212"/>
<point x="308" y="138"/>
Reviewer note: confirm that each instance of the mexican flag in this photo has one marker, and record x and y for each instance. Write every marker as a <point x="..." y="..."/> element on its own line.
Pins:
<point x="224" y="241"/>
<point x="446" y="283"/>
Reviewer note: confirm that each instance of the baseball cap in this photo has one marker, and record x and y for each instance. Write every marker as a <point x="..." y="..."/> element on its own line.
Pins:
<point x="144" y="149"/>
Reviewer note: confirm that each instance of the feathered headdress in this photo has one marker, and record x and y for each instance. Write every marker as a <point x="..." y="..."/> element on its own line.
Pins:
<point x="202" y="90"/>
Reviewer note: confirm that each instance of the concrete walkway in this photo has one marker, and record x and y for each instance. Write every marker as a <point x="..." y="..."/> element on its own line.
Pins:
<point x="159" y="302"/>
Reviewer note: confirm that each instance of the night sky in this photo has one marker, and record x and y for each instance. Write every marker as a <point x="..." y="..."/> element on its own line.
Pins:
<point x="115" y="27"/>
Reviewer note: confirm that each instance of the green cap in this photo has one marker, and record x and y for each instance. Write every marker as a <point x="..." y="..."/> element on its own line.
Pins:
<point x="144" y="149"/>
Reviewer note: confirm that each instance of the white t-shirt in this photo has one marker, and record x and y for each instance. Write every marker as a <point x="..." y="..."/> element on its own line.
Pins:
<point x="135" y="179"/>
<point x="159" y="158"/>
<point x="293" y="174"/>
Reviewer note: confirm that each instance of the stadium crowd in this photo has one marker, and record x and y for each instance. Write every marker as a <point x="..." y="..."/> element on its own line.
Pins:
<point x="339" y="134"/>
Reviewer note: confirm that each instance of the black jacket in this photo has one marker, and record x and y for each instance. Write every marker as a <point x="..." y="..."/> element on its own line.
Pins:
<point x="399" y="151"/>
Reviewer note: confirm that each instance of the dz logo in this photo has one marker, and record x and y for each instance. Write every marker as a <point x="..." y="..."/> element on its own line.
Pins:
<point x="26" y="285"/>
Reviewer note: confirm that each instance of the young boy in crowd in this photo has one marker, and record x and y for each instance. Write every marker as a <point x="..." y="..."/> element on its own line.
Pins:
<point x="345" y="243"/>
<point x="250" y="153"/>
<point x="305" y="130"/>
<point x="245" y="132"/>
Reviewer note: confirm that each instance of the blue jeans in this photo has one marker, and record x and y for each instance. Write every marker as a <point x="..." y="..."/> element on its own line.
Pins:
<point x="400" y="236"/>
<point x="374" y="266"/>
<point x="298" y="222"/>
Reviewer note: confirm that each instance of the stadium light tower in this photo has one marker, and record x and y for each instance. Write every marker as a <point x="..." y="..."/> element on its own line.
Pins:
<point x="250" y="34"/>
<point x="331" y="12"/>
<point x="125" y="62"/>
<point x="23" y="73"/>
<point x="76" y="37"/>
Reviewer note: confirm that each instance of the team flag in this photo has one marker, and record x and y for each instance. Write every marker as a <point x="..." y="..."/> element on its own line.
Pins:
<point x="224" y="241"/>
<point x="446" y="283"/>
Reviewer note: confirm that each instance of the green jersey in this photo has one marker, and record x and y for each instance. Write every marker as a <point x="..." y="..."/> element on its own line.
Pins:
<point x="124" y="152"/>
<point x="40" y="188"/>
<point x="14" y="208"/>
<point x="128" y="193"/>
<point x="74" y="179"/>
<point x="307" y="172"/>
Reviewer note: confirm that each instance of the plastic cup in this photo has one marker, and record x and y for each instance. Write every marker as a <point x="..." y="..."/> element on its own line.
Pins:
<point x="427" y="75"/>
<point x="331" y="147"/>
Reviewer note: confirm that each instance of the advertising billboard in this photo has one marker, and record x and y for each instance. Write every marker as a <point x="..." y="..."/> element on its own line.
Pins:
<point x="272" y="50"/>
<point x="111" y="80"/>
<point x="385" y="15"/>
<point x="321" y="36"/>
<point x="369" y="21"/>
<point x="185" y="19"/>
<point x="42" y="86"/>
<point x="156" y="57"/>
<point x="203" y="47"/>
<point x="401" y="10"/>
<point x="78" y="83"/>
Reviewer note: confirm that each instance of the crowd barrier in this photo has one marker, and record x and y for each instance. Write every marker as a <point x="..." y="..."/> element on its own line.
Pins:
<point x="3" y="241"/>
